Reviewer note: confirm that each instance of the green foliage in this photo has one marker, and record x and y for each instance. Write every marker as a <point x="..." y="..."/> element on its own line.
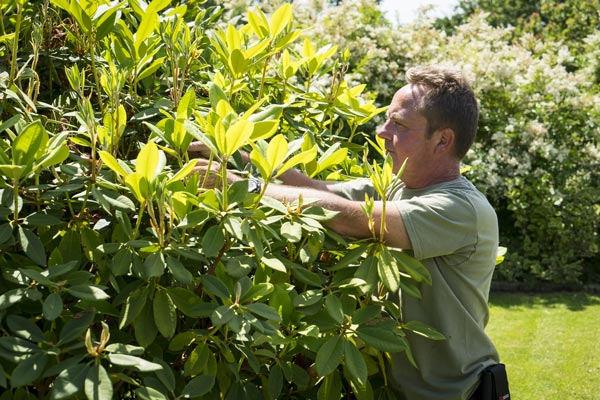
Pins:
<point x="120" y="278"/>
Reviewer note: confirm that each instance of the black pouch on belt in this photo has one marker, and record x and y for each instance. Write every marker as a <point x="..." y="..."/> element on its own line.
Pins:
<point x="494" y="383"/>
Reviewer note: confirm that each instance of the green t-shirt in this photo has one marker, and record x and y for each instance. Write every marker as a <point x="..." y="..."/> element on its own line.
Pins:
<point x="454" y="232"/>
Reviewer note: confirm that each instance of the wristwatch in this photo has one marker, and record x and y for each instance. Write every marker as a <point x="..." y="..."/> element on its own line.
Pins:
<point x="254" y="185"/>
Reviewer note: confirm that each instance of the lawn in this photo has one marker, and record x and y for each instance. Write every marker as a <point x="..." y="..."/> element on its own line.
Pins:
<point x="550" y="344"/>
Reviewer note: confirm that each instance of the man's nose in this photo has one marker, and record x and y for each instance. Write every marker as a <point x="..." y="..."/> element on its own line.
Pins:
<point x="382" y="132"/>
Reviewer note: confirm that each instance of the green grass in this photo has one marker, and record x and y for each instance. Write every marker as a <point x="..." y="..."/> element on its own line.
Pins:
<point x="550" y="344"/>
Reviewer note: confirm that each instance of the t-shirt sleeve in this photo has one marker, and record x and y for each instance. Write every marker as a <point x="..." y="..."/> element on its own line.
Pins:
<point x="439" y="225"/>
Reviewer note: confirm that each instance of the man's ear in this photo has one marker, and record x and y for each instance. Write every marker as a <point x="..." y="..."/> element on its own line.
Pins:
<point x="444" y="140"/>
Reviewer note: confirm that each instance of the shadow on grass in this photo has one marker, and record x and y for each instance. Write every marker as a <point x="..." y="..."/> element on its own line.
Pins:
<point x="574" y="301"/>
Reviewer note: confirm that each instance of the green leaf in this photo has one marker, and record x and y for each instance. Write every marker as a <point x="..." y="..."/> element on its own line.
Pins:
<point x="215" y="287"/>
<point x="265" y="311"/>
<point x="275" y="381"/>
<point x="24" y="328"/>
<point x="30" y="144"/>
<point x="307" y="298"/>
<point x="388" y="270"/>
<point x="134" y="304"/>
<point x="292" y="231"/>
<point x="97" y="383"/>
<point x="238" y="135"/>
<point x="165" y="375"/>
<point x="355" y="363"/>
<point x="148" y="393"/>
<point x="165" y="315"/>
<point x="382" y="339"/>
<point x="330" y="388"/>
<point x="334" y="308"/>
<point x="329" y="355"/>
<point x="421" y="328"/>
<point x="144" y="327"/>
<point x="88" y="292"/>
<point x="154" y="266"/>
<point x="179" y="271"/>
<point x="32" y="246"/>
<point x="69" y="382"/>
<point x="150" y="162"/>
<point x="112" y="163"/>
<point x="412" y="266"/>
<point x="150" y="22"/>
<point x="75" y="327"/>
<point x="213" y="241"/>
<point x="6" y="231"/>
<point x="28" y="370"/>
<point x="274" y="263"/>
<point x="198" y="386"/>
<point x="137" y="363"/>
<point x="280" y="19"/>
<point x="197" y="360"/>
<point x="53" y="307"/>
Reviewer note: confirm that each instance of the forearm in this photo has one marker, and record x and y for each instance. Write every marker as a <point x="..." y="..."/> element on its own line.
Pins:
<point x="350" y="221"/>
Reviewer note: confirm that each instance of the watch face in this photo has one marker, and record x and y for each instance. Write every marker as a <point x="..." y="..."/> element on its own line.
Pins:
<point x="253" y="185"/>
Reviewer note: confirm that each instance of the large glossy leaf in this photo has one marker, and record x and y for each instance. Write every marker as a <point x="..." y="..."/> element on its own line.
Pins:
<point x="329" y="355"/>
<point x="24" y="328"/>
<point x="382" y="339"/>
<point x="32" y="246"/>
<point x="53" y="306"/>
<point x="165" y="315"/>
<point x="28" y="370"/>
<point x="30" y="144"/>
<point x="97" y="383"/>
<point x="198" y="386"/>
<point x="69" y="382"/>
<point x="388" y="270"/>
<point x="137" y="363"/>
<point x="355" y="363"/>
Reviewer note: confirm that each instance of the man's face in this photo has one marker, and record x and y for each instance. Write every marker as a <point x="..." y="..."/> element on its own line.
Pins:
<point x="405" y="131"/>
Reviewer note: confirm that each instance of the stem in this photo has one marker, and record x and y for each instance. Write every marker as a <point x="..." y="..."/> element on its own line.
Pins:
<point x="16" y="200"/>
<point x="139" y="220"/>
<point x="95" y="70"/>
<point x="15" y="47"/>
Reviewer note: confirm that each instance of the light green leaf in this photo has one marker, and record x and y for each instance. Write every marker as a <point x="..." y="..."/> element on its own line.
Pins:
<point x="388" y="270"/>
<point x="264" y="129"/>
<point x="150" y="22"/>
<point x="301" y="158"/>
<point x="238" y="135"/>
<point x="137" y="363"/>
<point x="276" y="151"/>
<point x="183" y="172"/>
<point x="292" y="231"/>
<point x="112" y="163"/>
<point x="421" y="328"/>
<point x="329" y="355"/>
<point x="280" y="19"/>
<point x="150" y="161"/>
<point x="274" y="263"/>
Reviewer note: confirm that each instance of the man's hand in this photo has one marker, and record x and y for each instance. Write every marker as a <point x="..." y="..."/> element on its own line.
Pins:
<point x="210" y="174"/>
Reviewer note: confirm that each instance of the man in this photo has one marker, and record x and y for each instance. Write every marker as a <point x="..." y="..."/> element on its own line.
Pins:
<point x="440" y="218"/>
